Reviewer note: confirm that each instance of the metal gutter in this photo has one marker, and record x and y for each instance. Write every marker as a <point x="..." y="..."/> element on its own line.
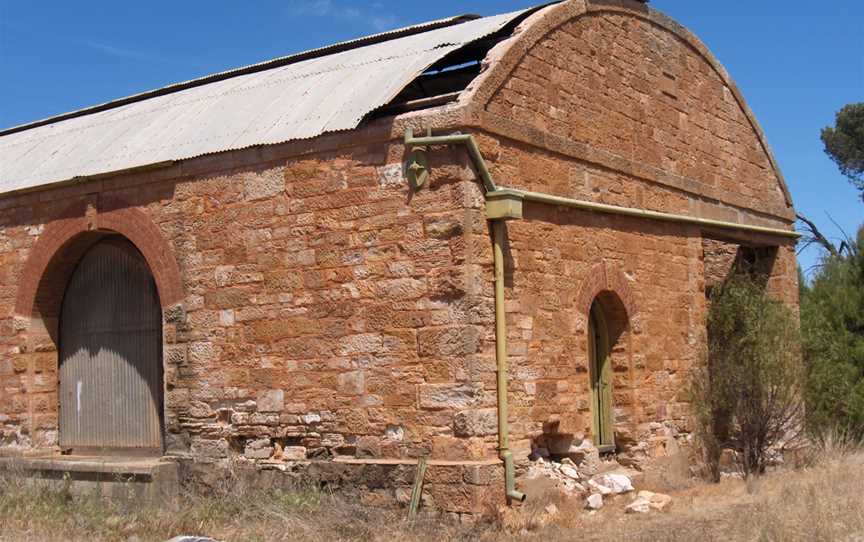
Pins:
<point x="516" y="196"/>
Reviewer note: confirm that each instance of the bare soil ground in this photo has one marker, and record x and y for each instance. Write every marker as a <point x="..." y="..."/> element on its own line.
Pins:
<point x="823" y="502"/>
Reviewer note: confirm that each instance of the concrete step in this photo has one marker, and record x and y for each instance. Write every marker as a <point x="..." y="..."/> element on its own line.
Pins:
<point x="121" y="478"/>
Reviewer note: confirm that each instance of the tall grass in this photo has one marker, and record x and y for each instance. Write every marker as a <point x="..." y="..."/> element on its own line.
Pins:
<point x="818" y="502"/>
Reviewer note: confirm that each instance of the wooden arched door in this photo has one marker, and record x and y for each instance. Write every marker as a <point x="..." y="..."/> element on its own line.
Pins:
<point x="599" y="353"/>
<point x="111" y="353"/>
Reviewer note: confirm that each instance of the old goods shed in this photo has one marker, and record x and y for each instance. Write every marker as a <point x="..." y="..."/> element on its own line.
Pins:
<point x="329" y="259"/>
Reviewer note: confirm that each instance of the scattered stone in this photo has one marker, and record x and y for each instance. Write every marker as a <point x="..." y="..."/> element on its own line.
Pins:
<point x="616" y="483"/>
<point x="570" y="472"/>
<point x="639" y="506"/>
<point x="599" y="488"/>
<point x="551" y="510"/>
<point x="557" y="473"/>
<point x="594" y="501"/>
<point x="657" y="501"/>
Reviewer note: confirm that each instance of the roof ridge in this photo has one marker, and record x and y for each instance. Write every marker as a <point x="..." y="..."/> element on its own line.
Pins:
<point x="326" y="50"/>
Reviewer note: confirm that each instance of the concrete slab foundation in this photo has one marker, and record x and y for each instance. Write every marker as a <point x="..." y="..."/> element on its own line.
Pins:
<point x="121" y="478"/>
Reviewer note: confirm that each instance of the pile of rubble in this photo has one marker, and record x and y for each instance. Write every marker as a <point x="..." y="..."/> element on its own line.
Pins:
<point x="594" y="480"/>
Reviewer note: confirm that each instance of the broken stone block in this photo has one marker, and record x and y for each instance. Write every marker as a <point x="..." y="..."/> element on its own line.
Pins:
<point x="199" y="409"/>
<point x="570" y="472"/>
<point x="594" y="501"/>
<point x="311" y="418"/>
<point x="639" y="506"/>
<point x="617" y="483"/>
<point x="210" y="448"/>
<point x="368" y="447"/>
<point x="403" y="495"/>
<point x="394" y="433"/>
<point x="599" y="488"/>
<point x="656" y="501"/>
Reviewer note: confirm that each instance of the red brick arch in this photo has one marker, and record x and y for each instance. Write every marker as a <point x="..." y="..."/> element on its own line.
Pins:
<point x="601" y="278"/>
<point x="64" y="240"/>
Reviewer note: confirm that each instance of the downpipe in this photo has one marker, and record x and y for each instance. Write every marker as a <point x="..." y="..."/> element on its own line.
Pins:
<point x="501" y="356"/>
<point x="498" y="234"/>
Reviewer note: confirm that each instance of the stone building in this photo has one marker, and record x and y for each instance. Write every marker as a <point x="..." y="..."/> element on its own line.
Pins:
<point x="293" y="264"/>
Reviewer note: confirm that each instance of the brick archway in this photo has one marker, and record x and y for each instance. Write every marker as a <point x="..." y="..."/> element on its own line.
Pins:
<point x="599" y="279"/>
<point x="64" y="240"/>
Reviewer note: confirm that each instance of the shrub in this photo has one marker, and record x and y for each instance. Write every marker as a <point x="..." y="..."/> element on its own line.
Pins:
<point x="747" y="391"/>
<point x="832" y="323"/>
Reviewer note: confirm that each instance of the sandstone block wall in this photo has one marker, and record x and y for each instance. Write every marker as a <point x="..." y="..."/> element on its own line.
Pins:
<point x="612" y="107"/>
<point x="615" y="81"/>
<point x="326" y="310"/>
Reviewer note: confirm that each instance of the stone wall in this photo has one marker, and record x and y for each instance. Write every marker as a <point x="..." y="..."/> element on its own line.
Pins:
<point x="612" y="106"/>
<point x="621" y="83"/>
<point x="326" y="310"/>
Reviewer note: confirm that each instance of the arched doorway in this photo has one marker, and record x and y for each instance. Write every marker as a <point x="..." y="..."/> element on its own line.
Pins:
<point x="600" y="368"/>
<point x="110" y="345"/>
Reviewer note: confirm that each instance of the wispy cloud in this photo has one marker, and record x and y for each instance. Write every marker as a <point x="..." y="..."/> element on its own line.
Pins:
<point x="374" y="16"/>
<point x="138" y="55"/>
<point x="131" y="54"/>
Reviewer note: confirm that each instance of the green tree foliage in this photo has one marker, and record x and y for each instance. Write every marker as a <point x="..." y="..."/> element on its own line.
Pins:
<point x="832" y="323"/>
<point x="747" y="393"/>
<point x="844" y="143"/>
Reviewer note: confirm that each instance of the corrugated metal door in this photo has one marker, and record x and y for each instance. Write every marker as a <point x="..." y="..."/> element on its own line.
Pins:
<point x="111" y="353"/>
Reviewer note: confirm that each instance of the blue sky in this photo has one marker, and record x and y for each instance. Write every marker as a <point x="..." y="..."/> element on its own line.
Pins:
<point x="797" y="62"/>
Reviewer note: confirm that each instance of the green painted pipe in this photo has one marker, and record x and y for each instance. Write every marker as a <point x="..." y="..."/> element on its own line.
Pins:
<point x="456" y="139"/>
<point x="591" y="206"/>
<point x="500" y="318"/>
<point x="501" y="356"/>
<point x="489" y="184"/>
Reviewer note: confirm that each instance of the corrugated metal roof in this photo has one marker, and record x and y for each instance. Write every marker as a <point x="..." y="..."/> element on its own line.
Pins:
<point x="251" y="106"/>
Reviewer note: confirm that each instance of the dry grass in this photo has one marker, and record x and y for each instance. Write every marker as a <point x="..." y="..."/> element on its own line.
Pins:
<point x="821" y="502"/>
